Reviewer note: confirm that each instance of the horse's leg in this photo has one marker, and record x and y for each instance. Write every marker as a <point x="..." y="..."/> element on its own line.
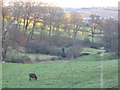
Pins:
<point x="30" y="78"/>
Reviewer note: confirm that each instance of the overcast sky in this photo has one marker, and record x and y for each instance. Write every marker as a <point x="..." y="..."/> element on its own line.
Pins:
<point x="83" y="3"/>
<point x="79" y="3"/>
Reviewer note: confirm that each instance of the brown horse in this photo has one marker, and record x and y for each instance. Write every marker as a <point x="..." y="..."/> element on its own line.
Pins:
<point x="32" y="76"/>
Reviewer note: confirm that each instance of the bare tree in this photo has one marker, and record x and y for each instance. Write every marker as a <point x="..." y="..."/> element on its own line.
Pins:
<point x="77" y="23"/>
<point x="6" y="16"/>
<point x="93" y="24"/>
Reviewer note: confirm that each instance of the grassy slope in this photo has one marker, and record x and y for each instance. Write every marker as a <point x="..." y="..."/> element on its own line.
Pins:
<point x="76" y="73"/>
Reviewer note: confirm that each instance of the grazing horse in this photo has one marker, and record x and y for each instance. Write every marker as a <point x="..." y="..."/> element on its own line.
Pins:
<point x="32" y="76"/>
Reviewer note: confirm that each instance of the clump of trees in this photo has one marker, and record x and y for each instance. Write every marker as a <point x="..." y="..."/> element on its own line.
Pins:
<point x="43" y="28"/>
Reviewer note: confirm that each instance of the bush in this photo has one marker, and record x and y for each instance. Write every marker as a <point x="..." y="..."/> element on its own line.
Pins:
<point x="56" y="58"/>
<point x="19" y="59"/>
<point x="55" y="46"/>
<point x="55" y="51"/>
<point x="42" y="47"/>
<point x="73" y="52"/>
<point x="38" y="47"/>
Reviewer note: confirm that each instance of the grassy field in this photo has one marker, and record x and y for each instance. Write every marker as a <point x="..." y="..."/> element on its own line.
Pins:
<point x="83" y="72"/>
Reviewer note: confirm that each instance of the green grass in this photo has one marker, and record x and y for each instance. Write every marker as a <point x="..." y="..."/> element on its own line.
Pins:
<point x="0" y="75"/>
<point x="77" y="73"/>
<point x="97" y="57"/>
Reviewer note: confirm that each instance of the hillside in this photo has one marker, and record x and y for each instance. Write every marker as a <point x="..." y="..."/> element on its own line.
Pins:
<point x="103" y="12"/>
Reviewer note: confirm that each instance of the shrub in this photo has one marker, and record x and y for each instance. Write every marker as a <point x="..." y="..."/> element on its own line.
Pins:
<point x="74" y="52"/>
<point x="55" y="51"/>
<point x="56" y="58"/>
<point x="38" y="47"/>
<point x="37" y="59"/>
<point x="42" y="47"/>
<point x="19" y="59"/>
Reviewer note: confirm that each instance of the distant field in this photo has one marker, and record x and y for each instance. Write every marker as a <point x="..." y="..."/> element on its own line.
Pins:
<point x="83" y="72"/>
